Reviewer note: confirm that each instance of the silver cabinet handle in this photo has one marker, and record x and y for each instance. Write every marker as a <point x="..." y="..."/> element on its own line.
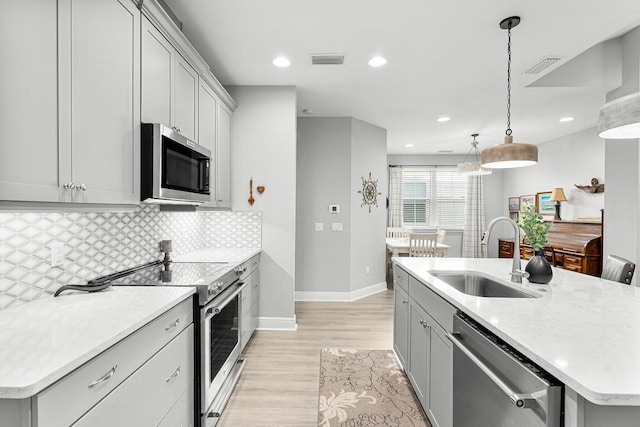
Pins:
<point x="173" y="325"/>
<point x="107" y="376"/>
<point x="424" y="324"/>
<point x="69" y="186"/>
<point x="173" y="376"/>
<point x="519" y="400"/>
<point x="81" y="187"/>
<point x="405" y="302"/>
<point x="177" y="129"/>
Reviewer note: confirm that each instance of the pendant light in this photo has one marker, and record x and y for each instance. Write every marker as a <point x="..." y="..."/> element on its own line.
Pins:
<point x="509" y="154"/>
<point x="473" y="168"/>
<point x="620" y="118"/>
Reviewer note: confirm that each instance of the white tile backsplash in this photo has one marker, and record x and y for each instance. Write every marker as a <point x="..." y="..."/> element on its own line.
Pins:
<point x="98" y="243"/>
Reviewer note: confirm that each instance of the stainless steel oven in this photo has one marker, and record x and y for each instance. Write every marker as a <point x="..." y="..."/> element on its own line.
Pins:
<point x="220" y="348"/>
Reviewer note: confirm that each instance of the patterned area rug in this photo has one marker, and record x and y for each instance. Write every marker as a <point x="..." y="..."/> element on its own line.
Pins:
<point x="366" y="388"/>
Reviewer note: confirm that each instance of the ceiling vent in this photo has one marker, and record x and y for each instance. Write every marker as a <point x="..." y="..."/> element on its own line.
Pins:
<point x="543" y="64"/>
<point x="326" y="59"/>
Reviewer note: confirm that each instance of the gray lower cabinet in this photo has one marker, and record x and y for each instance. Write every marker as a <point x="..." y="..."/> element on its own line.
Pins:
<point x="421" y="345"/>
<point x="401" y="324"/>
<point x="250" y="302"/>
<point x="146" y="379"/>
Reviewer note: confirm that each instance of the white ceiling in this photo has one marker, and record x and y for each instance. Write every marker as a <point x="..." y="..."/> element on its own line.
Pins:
<point x="445" y="58"/>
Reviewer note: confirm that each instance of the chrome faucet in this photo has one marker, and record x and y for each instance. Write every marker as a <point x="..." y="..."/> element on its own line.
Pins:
<point x="516" y="270"/>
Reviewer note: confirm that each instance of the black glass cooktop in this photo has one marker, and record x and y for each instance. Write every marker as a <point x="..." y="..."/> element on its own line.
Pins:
<point x="169" y="274"/>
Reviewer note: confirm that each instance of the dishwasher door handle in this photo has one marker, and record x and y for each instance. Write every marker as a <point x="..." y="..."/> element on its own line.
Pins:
<point x="518" y="399"/>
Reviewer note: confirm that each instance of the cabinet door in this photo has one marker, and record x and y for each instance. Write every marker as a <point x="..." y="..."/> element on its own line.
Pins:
<point x="419" y="352"/>
<point x="401" y="325"/>
<point x="441" y="377"/>
<point x="156" y="75"/>
<point x="223" y="158"/>
<point x="207" y="134"/>
<point x="30" y="148"/>
<point x="104" y="109"/>
<point x="185" y="95"/>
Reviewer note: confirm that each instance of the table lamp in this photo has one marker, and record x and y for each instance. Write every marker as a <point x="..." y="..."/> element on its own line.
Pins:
<point x="557" y="195"/>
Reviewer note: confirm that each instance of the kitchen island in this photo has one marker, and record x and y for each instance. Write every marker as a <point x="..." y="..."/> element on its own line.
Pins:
<point x="583" y="330"/>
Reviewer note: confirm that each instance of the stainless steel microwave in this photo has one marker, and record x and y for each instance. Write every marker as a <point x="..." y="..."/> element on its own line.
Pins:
<point x="174" y="169"/>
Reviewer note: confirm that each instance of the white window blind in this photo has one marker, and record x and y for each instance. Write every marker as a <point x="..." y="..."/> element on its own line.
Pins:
<point x="433" y="196"/>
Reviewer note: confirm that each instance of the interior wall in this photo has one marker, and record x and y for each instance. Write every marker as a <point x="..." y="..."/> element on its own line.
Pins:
<point x="324" y="157"/>
<point x="564" y="162"/>
<point x="368" y="222"/>
<point x="622" y="210"/>
<point x="263" y="146"/>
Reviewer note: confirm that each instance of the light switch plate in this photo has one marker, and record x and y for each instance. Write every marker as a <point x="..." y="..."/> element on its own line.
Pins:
<point x="336" y="226"/>
<point x="318" y="226"/>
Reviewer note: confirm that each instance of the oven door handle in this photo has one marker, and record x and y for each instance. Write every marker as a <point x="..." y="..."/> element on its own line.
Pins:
<point x="519" y="400"/>
<point x="214" y="308"/>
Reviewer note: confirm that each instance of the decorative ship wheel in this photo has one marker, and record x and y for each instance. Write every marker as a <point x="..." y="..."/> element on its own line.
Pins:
<point x="369" y="192"/>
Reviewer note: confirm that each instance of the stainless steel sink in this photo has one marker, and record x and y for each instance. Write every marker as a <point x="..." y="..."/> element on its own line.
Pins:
<point x="479" y="285"/>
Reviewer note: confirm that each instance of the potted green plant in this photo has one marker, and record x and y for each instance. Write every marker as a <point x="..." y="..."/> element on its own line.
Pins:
<point x="535" y="230"/>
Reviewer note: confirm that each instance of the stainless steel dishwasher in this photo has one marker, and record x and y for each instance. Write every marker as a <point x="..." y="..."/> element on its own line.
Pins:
<point x="495" y="386"/>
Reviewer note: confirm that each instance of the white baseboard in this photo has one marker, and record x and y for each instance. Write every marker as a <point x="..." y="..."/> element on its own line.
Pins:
<point x="341" y="296"/>
<point x="277" y="324"/>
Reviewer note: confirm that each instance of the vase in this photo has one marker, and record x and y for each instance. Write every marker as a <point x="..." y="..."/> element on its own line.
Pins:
<point x="539" y="268"/>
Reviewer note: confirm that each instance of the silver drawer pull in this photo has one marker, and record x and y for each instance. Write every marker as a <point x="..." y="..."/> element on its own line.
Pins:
<point x="107" y="376"/>
<point x="173" y="376"/>
<point x="173" y="325"/>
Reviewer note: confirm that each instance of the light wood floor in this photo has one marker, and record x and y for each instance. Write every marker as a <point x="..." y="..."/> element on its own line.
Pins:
<point x="279" y="384"/>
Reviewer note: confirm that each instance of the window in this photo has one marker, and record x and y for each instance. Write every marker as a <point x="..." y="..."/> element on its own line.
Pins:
<point x="433" y="196"/>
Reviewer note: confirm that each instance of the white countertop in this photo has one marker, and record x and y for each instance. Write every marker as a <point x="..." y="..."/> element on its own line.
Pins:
<point x="229" y="255"/>
<point x="583" y="330"/>
<point x="44" y="340"/>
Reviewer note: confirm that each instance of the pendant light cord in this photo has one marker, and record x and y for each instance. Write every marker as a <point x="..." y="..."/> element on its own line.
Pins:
<point x="508" y="132"/>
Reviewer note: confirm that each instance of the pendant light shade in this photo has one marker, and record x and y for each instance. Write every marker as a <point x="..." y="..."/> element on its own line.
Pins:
<point x="473" y="168"/>
<point x="620" y="118"/>
<point x="509" y="154"/>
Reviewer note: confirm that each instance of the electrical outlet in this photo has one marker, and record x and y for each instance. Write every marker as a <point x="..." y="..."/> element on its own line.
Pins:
<point x="57" y="254"/>
<point x="336" y="226"/>
<point x="319" y="226"/>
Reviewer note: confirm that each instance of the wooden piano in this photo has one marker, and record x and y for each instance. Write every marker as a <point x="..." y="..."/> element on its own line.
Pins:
<point x="572" y="245"/>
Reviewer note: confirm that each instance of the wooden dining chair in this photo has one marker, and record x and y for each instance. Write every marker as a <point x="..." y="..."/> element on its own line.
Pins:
<point x="397" y="232"/>
<point x="423" y="244"/>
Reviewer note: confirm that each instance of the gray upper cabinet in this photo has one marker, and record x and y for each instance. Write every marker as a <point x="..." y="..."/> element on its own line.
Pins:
<point x="223" y="158"/>
<point x="169" y="84"/>
<point x="29" y="153"/>
<point x="207" y="132"/>
<point x="157" y="75"/>
<point x="72" y="139"/>
<point x="104" y="119"/>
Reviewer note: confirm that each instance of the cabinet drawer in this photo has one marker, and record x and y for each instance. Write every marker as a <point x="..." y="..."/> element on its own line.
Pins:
<point x="149" y="394"/>
<point x="574" y="260"/>
<point x="73" y="392"/>
<point x="526" y="253"/>
<point x="441" y="311"/>
<point x="400" y="278"/>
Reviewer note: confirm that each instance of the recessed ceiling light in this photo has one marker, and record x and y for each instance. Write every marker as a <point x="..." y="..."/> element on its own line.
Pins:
<point x="443" y="119"/>
<point x="409" y="145"/>
<point x="377" y="61"/>
<point x="566" y="119"/>
<point x="281" y="62"/>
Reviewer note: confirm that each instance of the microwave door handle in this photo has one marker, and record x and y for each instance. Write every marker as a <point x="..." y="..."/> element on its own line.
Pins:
<point x="214" y="308"/>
